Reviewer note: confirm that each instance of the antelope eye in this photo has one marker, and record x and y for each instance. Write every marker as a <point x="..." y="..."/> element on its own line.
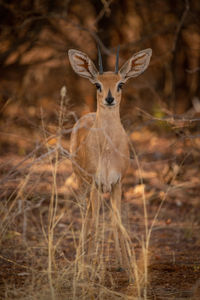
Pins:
<point x="119" y="87"/>
<point x="98" y="86"/>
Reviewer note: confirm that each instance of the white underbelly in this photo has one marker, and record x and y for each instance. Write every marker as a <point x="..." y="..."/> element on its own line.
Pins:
<point x="106" y="176"/>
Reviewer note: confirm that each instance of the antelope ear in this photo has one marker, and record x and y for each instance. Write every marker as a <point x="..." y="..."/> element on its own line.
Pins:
<point x="82" y="65"/>
<point x="136" y="65"/>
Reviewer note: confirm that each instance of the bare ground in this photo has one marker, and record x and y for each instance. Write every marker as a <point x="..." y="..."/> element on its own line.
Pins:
<point x="168" y="172"/>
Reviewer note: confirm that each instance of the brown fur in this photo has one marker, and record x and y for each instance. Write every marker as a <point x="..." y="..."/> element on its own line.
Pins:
<point x="99" y="144"/>
<point x="99" y="147"/>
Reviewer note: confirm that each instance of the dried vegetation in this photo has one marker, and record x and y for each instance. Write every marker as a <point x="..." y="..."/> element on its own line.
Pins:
<point x="40" y="212"/>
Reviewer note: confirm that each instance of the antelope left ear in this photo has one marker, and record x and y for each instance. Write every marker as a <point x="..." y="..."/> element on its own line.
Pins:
<point x="82" y="65"/>
<point x="136" y="65"/>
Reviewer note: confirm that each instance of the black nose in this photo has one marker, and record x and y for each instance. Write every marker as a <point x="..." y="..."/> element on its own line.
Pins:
<point x="109" y="99"/>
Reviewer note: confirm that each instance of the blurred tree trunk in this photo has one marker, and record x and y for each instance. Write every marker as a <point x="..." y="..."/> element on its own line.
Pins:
<point x="35" y="34"/>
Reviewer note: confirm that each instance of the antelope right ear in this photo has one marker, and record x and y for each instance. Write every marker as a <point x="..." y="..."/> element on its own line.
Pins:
<point x="136" y="65"/>
<point x="82" y="65"/>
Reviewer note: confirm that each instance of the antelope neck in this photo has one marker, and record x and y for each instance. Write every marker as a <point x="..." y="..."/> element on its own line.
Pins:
<point x="107" y="117"/>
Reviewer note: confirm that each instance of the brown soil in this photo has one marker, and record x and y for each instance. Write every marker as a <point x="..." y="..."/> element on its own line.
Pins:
<point x="170" y="171"/>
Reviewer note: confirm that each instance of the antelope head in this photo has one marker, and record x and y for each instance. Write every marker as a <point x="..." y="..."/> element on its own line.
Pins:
<point x="109" y="84"/>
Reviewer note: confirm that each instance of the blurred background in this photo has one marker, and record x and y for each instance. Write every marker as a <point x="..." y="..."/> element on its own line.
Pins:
<point x="36" y="34"/>
<point x="160" y="111"/>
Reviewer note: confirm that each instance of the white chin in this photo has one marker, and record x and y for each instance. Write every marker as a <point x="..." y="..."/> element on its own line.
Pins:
<point x="110" y="105"/>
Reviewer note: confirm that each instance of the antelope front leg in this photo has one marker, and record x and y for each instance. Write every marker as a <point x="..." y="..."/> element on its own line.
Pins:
<point x="95" y="202"/>
<point x="120" y="244"/>
<point x="90" y="226"/>
<point x="82" y="250"/>
<point x="86" y="226"/>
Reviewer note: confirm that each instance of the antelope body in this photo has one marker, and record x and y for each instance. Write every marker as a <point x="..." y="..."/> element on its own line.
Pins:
<point x="99" y="144"/>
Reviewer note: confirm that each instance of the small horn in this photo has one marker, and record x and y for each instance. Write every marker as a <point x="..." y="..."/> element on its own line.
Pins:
<point x="100" y="61"/>
<point x="117" y="61"/>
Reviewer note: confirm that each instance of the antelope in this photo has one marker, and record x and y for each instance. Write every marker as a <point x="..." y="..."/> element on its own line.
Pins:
<point x="99" y="145"/>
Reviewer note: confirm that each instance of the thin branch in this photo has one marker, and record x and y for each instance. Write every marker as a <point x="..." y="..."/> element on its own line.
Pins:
<point x="180" y="25"/>
<point x="105" y="9"/>
<point x="173" y="119"/>
<point x="104" y="49"/>
<point x="191" y="71"/>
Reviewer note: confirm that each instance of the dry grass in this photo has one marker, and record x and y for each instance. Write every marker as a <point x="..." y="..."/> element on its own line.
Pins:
<point x="42" y="233"/>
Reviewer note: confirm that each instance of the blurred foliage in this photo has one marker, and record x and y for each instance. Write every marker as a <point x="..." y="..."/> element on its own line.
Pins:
<point x="36" y="34"/>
